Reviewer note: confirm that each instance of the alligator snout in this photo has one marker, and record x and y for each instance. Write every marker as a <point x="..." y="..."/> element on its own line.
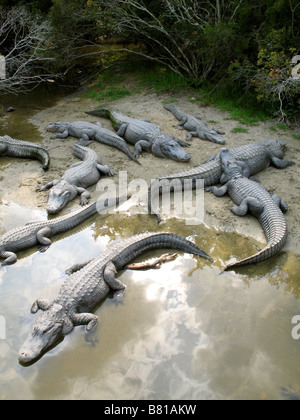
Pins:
<point x="185" y="158"/>
<point x="51" y="127"/>
<point x="59" y="196"/>
<point x="173" y="150"/>
<point x="24" y="357"/>
<point x="32" y="349"/>
<point x="54" y="128"/>
<point x="52" y="209"/>
<point x="56" y="204"/>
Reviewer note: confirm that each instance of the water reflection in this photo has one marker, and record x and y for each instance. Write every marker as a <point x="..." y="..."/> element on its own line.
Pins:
<point x="16" y="124"/>
<point x="184" y="331"/>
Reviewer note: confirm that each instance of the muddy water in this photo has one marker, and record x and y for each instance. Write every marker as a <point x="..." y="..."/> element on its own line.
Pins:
<point x="184" y="331"/>
<point x="16" y="123"/>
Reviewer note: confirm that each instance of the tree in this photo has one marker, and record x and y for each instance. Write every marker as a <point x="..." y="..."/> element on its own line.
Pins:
<point x="25" y="46"/>
<point x="272" y="74"/>
<point x="191" y="37"/>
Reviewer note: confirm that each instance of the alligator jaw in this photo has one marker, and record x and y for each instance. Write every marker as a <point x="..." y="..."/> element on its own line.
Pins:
<point x="27" y="356"/>
<point x="60" y="196"/>
<point x="50" y="328"/>
<point x="55" y="205"/>
<point x="57" y="127"/>
<point x="172" y="150"/>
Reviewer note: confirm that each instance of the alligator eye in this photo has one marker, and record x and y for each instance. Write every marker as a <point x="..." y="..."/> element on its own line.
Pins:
<point x="47" y="330"/>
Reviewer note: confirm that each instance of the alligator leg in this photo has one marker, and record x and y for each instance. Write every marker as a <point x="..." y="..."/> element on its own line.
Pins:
<point x="220" y="132"/>
<point x="280" y="163"/>
<point x="117" y="286"/>
<point x="245" y="167"/>
<point x="86" y="138"/>
<point x="280" y="203"/>
<point x="105" y="170"/>
<point x="182" y="143"/>
<point x="90" y="320"/>
<point x="40" y="304"/>
<point x="85" y="143"/>
<point x="63" y="135"/>
<point x="140" y="146"/>
<point x="191" y="134"/>
<point x="84" y="196"/>
<point x="249" y="204"/>
<point x="182" y="122"/>
<point x="48" y="186"/>
<point x="218" y="192"/>
<point x="43" y="238"/>
<point x="78" y="267"/>
<point x="210" y="159"/>
<point x="10" y="258"/>
<point x="122" y="130"/>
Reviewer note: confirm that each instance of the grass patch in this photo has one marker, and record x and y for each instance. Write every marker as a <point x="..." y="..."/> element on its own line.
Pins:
<point x="283" y="127"/>
<point x="162" y="80"/>
<point x="109" y="94"/>
<point x="296" y="136"/>
<point x="240" y="130"/>
<point x="134" y="77"/>
<point x="108" y="87"/>
<point x="242" y="107"/>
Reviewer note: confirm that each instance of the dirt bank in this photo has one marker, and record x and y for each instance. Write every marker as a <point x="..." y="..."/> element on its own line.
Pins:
<point x="21" y="189"/>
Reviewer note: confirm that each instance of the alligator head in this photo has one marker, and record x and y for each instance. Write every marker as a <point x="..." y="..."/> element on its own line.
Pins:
<point x="276" y="147"/>
<point x="59" y="196"/>
<point x="169" y="148"/>
<point x="50" y="327"/>
<point x="231" y="168"/>
<point x="58" y="127"/>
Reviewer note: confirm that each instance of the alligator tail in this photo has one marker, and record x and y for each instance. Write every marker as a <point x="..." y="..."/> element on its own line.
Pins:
<point x="269" y="251"/>
<point x="175" y="111"/>
<point x="44" y="158"/>
<point x="123" y="147"/>
<point x="101" y="112"/>
<point x="106" y="113"/>
<point x="26" y="150"/>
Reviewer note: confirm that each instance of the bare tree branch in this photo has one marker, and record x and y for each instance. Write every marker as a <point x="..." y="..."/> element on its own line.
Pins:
<point x="24" y="43"/>
<point x="172" y="36"/>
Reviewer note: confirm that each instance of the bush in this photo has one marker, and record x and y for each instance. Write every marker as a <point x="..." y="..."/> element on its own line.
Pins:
<point x="271" y="76"/>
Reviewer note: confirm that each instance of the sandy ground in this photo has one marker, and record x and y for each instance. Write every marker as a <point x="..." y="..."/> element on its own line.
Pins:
<point x="21" y="189"/>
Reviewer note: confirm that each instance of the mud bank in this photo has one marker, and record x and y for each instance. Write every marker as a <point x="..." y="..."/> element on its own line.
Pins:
<point x="20" y="184"/>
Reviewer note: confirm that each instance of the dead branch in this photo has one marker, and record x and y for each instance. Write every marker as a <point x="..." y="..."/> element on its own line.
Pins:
<point x="24" y="44"/>
<point x="156" y="264"/>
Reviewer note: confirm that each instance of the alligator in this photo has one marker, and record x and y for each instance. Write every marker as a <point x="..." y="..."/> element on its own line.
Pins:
<point x="24" y="149"/>
<point x="145" y="136"/>
<point x="251" y="197"/>
<point x="75" y="180"/>
<point x="258" y="156"/>
<point x="195" y="126"/>
<point x="89" y="284"/>
<point x="88" y="133"/>
<point x="39" y="233"/>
